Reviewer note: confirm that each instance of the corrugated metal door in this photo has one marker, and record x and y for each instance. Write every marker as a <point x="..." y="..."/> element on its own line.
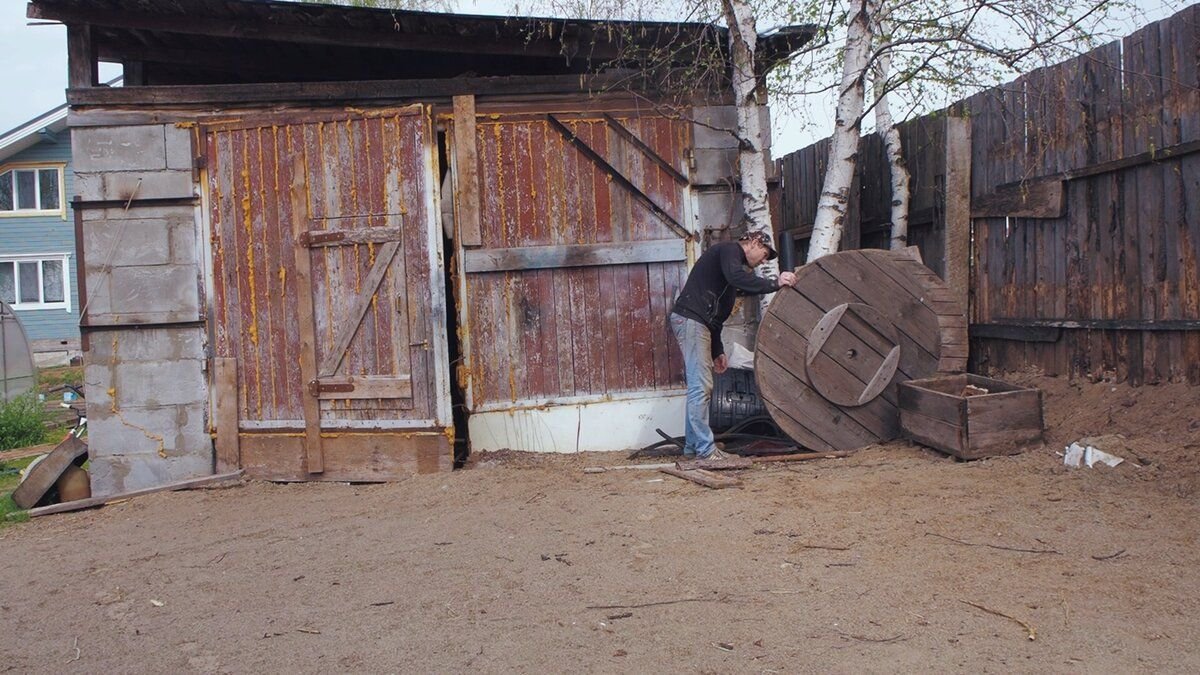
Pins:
<point x="327" y="281"/>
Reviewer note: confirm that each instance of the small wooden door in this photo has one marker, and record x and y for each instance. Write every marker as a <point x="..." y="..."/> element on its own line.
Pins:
<point x="328" y="288"/>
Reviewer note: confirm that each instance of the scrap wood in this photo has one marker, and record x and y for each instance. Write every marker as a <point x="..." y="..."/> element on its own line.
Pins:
<point x="706" y="478"/>
<point x="800" y="456"/>
<point x="995" y="546"/>
<point x="22" y="453"/>
<point x="715" y="464"/>
<point x="101" y="501"/>
<point x="1024" y="624"/>
<point x="627" y="467"/>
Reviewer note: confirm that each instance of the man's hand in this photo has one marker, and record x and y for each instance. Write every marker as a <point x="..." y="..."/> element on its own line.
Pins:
<point x="787" y="279"/>
<point x="721" y="364"/>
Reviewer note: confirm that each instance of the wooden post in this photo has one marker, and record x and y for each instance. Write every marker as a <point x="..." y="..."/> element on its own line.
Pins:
<point x="466" y="173"/>
<point x="229" y="457"/>
<point x="957" y="241"/>
<point x="83" y="70"/>
<point x="314" y="459"/>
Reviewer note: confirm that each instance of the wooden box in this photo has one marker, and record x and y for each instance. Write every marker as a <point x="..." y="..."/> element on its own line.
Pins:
<point x="970" y="416"/>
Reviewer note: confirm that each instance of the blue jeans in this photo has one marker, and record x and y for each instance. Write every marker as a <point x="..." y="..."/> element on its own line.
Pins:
<point x="696" y="344"/>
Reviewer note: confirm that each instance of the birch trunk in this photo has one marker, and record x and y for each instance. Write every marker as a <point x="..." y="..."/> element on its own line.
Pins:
<point x="743" y="40"/>
<point x="885" y="126"/>
<point x="843" y="148"/>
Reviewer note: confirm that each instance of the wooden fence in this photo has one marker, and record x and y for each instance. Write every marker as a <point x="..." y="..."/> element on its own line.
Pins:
<point x="1083" y="247"/>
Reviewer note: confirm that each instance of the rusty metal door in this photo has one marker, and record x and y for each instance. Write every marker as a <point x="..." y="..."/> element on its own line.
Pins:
<point x="327" y="279"/>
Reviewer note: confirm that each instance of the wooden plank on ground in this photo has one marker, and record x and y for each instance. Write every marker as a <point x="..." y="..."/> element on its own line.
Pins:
<point x="101" y="501"/>
<point x="23" y="453"/>
<point x="225" y="385"/>
<point x="702" y="477"/>
<point x="40" y="478"/>
<point x="715" y="464"/>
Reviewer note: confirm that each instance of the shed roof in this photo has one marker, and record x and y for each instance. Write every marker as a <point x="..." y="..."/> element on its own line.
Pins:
<point x="245" y="41"/>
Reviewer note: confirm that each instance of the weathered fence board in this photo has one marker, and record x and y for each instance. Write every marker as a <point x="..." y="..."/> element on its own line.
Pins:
<point x="1116" y="130"/>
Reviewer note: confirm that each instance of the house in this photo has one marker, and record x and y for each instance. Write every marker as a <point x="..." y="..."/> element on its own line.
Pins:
<point x="37" y="235"/>
<point x="264" y="208"/>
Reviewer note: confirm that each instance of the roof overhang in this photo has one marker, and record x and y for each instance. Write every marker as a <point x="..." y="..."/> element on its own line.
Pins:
<point x="246" y="41"/>
<point x="36" y="130"/>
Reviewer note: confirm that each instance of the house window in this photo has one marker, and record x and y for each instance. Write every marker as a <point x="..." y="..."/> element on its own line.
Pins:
<point x="35" y="282"/>
<point x="30" y="190"/>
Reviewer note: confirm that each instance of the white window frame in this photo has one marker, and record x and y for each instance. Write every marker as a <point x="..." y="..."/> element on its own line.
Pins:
<point x="40" y="258"/>
<point x="61" y="211"/>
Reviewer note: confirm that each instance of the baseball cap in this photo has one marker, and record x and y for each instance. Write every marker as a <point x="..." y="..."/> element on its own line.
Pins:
<point x="764" y="239"/>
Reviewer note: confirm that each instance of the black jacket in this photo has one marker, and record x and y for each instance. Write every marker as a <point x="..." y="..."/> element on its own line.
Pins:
<point x="721" y="273"/>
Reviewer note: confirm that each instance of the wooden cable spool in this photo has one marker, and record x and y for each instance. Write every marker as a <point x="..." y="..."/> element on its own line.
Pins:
<point x="833" y="349"/>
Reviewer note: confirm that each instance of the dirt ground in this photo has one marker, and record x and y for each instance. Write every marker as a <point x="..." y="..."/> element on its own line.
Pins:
<point x="896" y="559"/>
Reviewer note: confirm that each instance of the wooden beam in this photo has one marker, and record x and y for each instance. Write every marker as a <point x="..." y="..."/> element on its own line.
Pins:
<point x="1031" y="199"/>
<point x="1159" y="155"/>
<point x="101" y="501"/>
<point x="624" y="132"/>
<point x="573" y="255"/>
<point x="278" y="30"/>
<point x="364" y="386"/>
<point x="348" y="328"/>
<point x="83" y="68"/>
<point x="228" y="455"/>
<point x="1094" y="324"/>
<point x="991" y="331"/>
<point x="365" y="235"/>
<point x="305" y="317"/>
<point x="957" y="243"/>
<point x="590" y="152"/>
<point x="466" y="173"/>
<point x="703" y="477"/>
<point x="359" y="90"/>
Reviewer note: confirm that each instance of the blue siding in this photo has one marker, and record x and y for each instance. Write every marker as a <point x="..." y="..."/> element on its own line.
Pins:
<point x="46" y="234"/>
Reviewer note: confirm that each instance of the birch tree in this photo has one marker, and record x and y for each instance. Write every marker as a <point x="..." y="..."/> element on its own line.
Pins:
<point x="924" y="51"/>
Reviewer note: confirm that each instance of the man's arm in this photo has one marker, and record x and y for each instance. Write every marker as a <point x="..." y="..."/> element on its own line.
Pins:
<point x="741" y="278"/>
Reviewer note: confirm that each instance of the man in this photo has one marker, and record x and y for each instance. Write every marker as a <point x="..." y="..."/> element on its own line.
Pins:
<point x="723" y="271"/>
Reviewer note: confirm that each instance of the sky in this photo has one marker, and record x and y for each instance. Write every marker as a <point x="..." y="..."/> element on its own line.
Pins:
<point x="35" y="75"/>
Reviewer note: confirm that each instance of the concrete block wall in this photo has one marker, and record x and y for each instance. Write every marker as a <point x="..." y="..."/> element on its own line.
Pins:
<point x="146" y="386"/>
<point x="715" y="178"/>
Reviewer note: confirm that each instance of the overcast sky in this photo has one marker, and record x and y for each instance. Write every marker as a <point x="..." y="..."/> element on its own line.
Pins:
<point x="35" y="60"/>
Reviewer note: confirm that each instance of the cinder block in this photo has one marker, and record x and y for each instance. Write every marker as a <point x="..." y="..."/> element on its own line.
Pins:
<point x="127" y="185"/>
<point x="117" y="475"/>
<point x="130" y="431"/>
<point x="127" y="242"/>
<point x="146" y="344"/>
<point x="119" y="148"/>
<point x="710" y="123"/>
<point x="715" y="167"/>
<point x="156" y="289"/>
<point x="179" y="147"/>
<point x="184" y="250"/>
<point x="718" y="210"/>
<point x="159" y="383"/>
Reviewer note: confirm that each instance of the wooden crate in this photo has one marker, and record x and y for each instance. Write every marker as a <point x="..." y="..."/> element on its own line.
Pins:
<point x="939" y="413"/>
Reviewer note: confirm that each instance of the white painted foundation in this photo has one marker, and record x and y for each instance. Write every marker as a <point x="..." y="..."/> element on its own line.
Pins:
<point x="579" y="427"/>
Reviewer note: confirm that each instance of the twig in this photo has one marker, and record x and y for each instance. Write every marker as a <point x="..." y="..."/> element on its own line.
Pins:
<point x="622" y="615"/>
<point x="1118" y="554"/>
<point x="989" y="610"/>
<point x="995" y="546"/>
<point x="864" y="638"/>
<point x="654" y="604"/>
<point x="826" y="548"/>
<point x="310" y="631"/>
<point x="78" y="651"/>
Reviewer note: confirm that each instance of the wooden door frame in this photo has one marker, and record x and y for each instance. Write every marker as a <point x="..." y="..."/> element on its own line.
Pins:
<point x="440" y="418"/>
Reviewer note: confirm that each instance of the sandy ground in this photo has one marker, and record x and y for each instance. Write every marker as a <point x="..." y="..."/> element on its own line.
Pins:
<point x="894" y="560"/>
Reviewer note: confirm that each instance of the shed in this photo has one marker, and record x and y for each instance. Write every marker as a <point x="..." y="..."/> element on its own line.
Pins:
<point x="340" y="240"/>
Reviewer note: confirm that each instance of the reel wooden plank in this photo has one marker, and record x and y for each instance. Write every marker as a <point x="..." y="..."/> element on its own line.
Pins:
<point x="833" y="349"/>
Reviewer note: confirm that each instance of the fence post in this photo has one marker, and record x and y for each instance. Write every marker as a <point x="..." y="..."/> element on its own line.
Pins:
<point x="958" y="210"/>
